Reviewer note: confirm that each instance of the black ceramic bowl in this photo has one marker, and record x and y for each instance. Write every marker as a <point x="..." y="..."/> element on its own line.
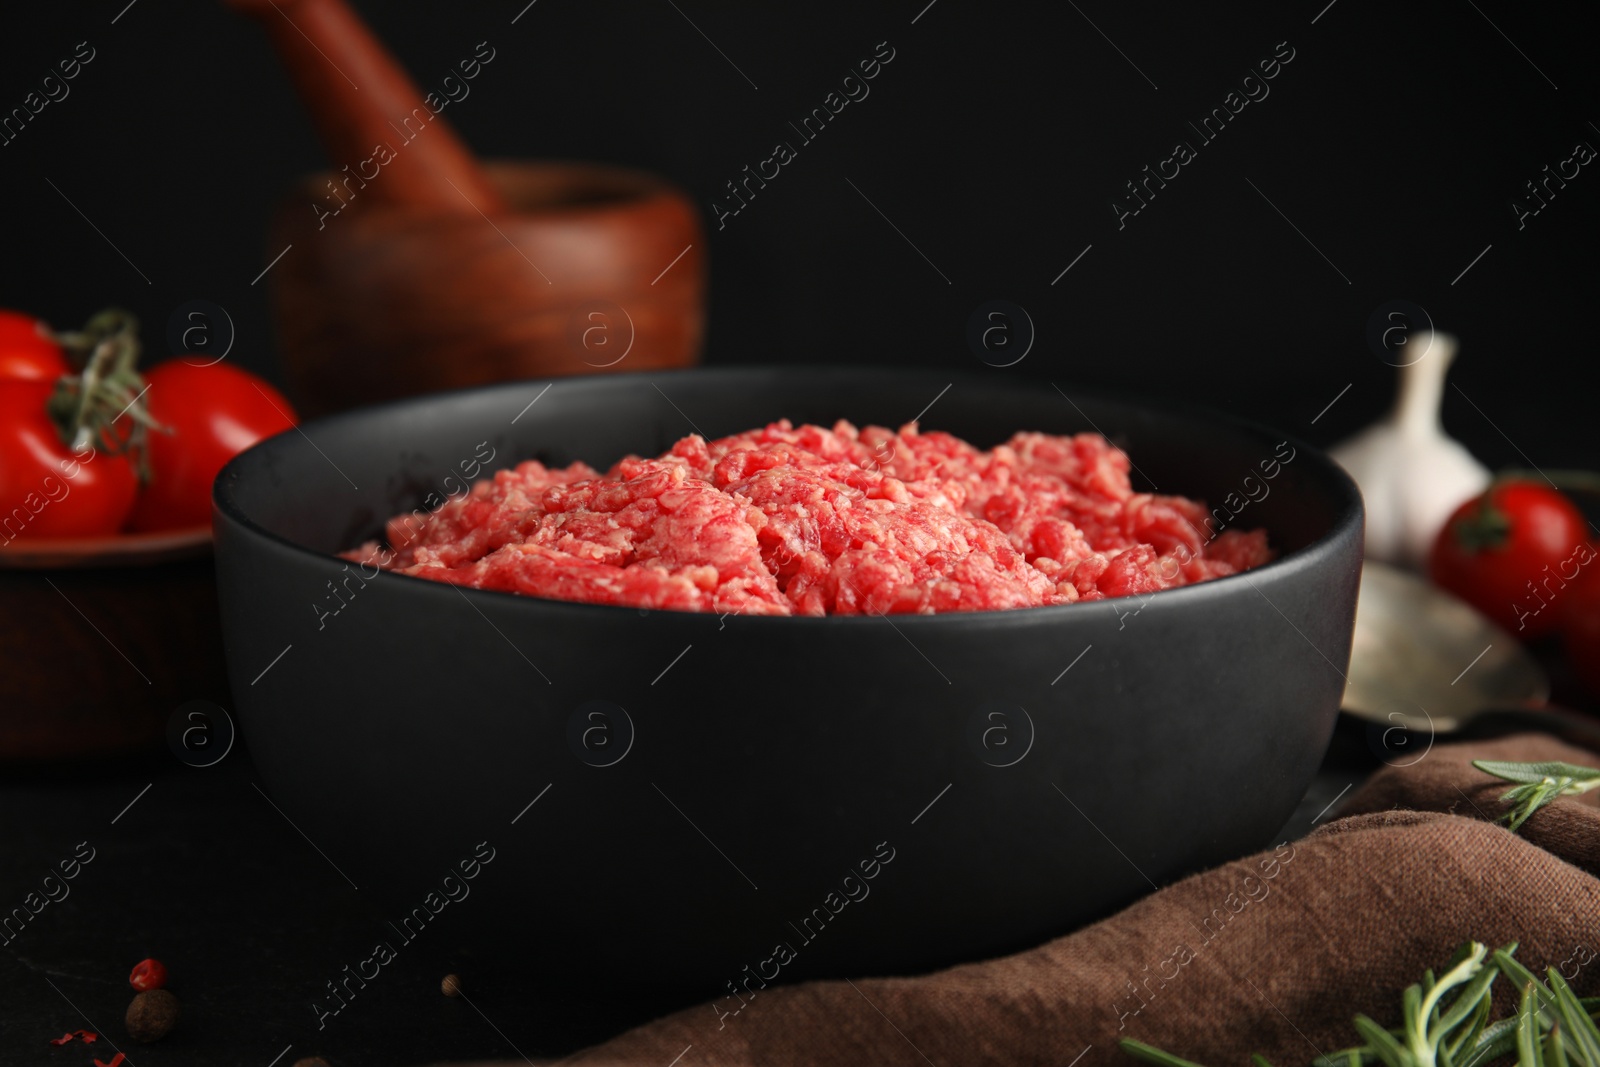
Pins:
<point x="669" y="796"/>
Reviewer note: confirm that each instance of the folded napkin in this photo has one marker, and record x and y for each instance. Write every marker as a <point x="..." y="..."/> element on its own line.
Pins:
<point x="1272" y="954"/>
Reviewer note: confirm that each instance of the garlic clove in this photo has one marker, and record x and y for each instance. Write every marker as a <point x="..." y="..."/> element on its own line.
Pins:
<point x="1411" y="475"/>
<point x="1368" y="457"/>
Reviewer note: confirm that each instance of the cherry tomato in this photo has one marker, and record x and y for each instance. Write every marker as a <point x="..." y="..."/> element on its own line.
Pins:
<point x="210" y="414"/>
<point x="1510" y="553"/>
<point x="46" y="489"/>
<point x="1580" y="621"/>
<point x="25" y="352"/>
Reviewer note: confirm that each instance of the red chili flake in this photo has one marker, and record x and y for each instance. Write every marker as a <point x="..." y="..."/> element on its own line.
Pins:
<point x="115" y="1060"/>
<point x="89" y="1036"/>
<point x="64" y="1039"/>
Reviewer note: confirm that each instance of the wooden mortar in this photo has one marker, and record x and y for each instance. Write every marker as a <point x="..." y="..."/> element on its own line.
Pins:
<point x="410" y="268"/>
<point x="394" y="301"/>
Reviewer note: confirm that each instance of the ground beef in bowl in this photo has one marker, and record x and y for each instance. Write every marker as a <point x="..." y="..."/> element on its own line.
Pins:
<point x="805" y="520"/>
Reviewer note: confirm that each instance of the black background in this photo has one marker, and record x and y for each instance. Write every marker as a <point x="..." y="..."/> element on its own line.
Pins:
<point x="995" y="140"/>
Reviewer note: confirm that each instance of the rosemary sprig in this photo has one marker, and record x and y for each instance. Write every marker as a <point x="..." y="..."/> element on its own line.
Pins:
<point x="1446" y="1022"/>
<point x="1161" y="1058"/>
<point x="1540" y="783"/>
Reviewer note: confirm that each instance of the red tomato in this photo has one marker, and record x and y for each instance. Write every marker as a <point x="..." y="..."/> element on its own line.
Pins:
<point x="211" y="413"/>
<point x="48" y="490"/>
<point x="1580" y="623"/>
<point x="25" y="352"/>
<point x="1510" y="553"/>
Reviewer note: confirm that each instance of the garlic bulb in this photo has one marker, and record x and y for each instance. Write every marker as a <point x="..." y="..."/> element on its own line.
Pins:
<point x="1411" y="475"/>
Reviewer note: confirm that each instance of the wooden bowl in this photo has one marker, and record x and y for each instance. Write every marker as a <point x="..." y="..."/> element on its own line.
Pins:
<point x="595" y="268"/>
<point x="103" y="639"/>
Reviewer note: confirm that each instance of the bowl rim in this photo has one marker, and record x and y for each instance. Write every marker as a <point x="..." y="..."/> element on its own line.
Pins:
<point x="636" y="191"/>
<point x="107" y="550"/>
<point x="1349" y="516"/>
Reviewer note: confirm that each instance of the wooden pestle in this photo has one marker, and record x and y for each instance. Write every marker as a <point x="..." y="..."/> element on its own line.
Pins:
<point x="358" y="95"/>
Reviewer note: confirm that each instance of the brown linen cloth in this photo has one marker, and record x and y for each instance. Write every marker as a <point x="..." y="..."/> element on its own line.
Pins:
<point x="1272" y="954"/>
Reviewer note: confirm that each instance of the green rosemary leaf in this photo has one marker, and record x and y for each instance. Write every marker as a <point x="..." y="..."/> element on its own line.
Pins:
<point x="1538" y="796"/>
<point x="1258" y="1060"/>
<point x="1524" y="978"/>
<point x="1464" y="971"/>
<point x="1555" y="1048"/>
<point x="1355" y="1056"/>
<point x="1345" y="1057"/>
<point x="1383" y="1043"/>
<point x="1414" y="1015"/>
<point x="1497" y="1039"/>
<point x="1467" y="1038"/>
<point x="1536" y="772"/>
<point x="1150" y="1054"/>
<point x="1541" y="783"/>
<point x="1471" y="1002"/>
<point x="1581" y="1033"/>
<point x="1529" y="1053"/>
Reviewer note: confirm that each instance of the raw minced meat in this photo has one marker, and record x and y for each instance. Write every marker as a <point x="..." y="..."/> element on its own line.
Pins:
<point x="789" y="520"/>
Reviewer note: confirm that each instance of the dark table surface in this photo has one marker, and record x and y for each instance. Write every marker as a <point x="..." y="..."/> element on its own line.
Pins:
<point x="196" y="867"/>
